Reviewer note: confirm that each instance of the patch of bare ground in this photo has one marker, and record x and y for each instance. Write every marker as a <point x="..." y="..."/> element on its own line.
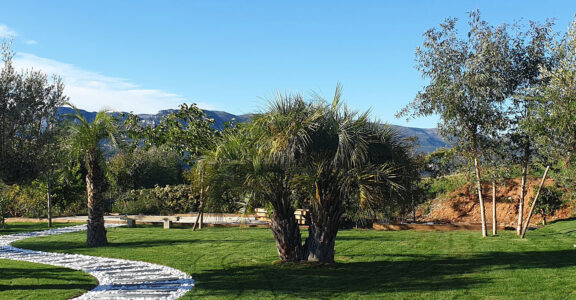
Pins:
<point x="462" y="205"/>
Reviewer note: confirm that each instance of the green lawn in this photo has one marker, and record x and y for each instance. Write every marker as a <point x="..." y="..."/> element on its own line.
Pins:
<point x="233" y="262"/>
<point x="23" y="280"/>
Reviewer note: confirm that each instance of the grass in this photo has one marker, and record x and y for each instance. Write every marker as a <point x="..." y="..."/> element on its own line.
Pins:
<point x="229" y="263"/>
<point x="24" y="280"/>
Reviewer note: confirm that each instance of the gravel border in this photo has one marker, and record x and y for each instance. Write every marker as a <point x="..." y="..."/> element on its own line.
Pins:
<point x="118" y="278"/>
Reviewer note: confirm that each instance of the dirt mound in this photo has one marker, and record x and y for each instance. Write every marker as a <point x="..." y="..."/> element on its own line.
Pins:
<point x="462" y="205"/>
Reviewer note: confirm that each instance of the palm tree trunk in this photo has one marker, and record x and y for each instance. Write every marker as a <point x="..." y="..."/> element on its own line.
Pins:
<point x="96" y="235"/>
<point x="322" y="236"/>
<point x="286" y="232"/>
<point x="325" y="218"/>
<point x="479" y="188"/>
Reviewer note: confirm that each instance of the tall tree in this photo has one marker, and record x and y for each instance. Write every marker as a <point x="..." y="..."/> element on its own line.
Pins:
<point x="468" y="85"/>
<point x="28" y="101"/>
<point x="85" y="141"/>
<point x="530" y="54"/>
<point x="186" y="131"/>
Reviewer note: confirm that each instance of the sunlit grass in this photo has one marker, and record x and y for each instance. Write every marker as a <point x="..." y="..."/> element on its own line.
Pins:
<point x="23" y="280"/>
<point x="232" y="262"/>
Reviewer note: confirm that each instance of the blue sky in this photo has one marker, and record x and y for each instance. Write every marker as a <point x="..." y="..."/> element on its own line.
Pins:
<point x="143" y="56"/>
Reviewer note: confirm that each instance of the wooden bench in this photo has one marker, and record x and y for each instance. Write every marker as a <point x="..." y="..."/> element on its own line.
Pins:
<point x="167" y="221"/>
<point x="300" y="214"/>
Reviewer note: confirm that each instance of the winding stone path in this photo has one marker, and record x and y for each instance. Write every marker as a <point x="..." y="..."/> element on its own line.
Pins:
<point x="118" y="278"/>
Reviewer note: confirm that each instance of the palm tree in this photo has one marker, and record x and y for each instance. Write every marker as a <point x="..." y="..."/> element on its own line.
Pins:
<point x="266" y="152"/>
<point x="85" y="142"/>
<point x="349" y="159"/>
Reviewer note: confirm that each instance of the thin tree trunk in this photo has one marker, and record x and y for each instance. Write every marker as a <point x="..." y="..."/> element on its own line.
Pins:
<point x="201" y="220"/>
<point x="413" y="210"/>
<point x="522" y="196"/>
<point x="49" y="197"/>
<point x="527" y="223"/>
<point x="96" y="235"/>
<point x="200" y="209"/>
<point x="480" y="199"/>
<point x="494" y="218"/>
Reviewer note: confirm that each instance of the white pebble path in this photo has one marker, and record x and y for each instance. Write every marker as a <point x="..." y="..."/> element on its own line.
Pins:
<point x="118" y="278"/>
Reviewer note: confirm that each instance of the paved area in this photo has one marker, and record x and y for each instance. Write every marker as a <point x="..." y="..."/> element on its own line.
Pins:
<point x="208" y="219"/>
<point x="118" y="278"/>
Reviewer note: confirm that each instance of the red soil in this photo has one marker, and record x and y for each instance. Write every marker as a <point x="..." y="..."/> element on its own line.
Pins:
<point x="462" y="205"/>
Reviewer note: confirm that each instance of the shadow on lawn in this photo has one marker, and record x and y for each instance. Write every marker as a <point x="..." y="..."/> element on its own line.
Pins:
<point x="408" y="273"/>
<point x="68" y="246"/>
<point x="48" y="277"/>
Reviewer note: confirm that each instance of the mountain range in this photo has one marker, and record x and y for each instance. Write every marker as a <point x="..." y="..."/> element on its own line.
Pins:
<point x="428" y="138"/>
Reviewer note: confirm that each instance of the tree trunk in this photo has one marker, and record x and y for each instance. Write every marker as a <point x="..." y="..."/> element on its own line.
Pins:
<point x="96" y="235"/>
<point x="201" y="220"/>
<point x="544" y="220"/>
<point x="325" y="217"/>
<point x="200" y="210"/>
<point x="534" y="203"/>
<point x="494" y="218"/>
<point x="322" y="236"/>
<point x="522" y="196"/>
<point x="480" y="199"/>
<point x="49" y="198"/>
<point x="286" y="232"/>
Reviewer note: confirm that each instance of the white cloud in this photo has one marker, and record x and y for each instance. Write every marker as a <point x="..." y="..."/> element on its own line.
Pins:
<point x="31" y="42"/>
<point x="7" y="32"/>
<point x="93" y="91"/>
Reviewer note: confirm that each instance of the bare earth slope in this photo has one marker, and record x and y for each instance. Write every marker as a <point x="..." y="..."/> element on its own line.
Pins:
<point x="462" y="206"/>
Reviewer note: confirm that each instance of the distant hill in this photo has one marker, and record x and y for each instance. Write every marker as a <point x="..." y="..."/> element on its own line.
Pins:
<point x="428" y="138"/>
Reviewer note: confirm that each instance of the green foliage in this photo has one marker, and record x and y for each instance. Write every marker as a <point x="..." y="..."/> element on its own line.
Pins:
<point x="555" y="118"/>
<point x="550" y="200"/>
<point x="155" y="201"/>
<point x="28" y="104"/>
<point x="442" y="162"/>
<point x="186" y="131"/>
<point x="24" y="200"/>
<point x="468" y="81"/>
<point x="443" y="185"/>
<point x="143" y="169"/>
<point x="85" y="138"/>
<point x="530" y="54"/>
<point x="5" y="203"/>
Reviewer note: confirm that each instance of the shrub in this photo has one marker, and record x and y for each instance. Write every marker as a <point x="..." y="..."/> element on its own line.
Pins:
<point x="158" y="200"/>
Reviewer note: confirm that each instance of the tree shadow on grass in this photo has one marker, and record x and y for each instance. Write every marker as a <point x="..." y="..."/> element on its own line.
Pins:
<point x="72" y="246"/>
<point x="46" y="277"/>
<point x="400" y="273"/>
